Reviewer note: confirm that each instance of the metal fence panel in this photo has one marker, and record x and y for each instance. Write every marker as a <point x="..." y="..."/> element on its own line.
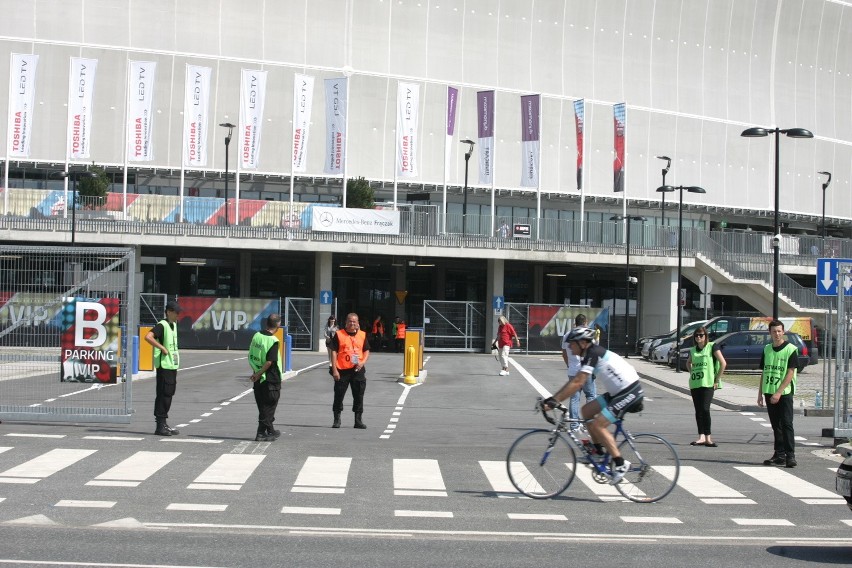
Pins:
<point x="843" y="354"/>
<point x="40" y="287"/>
<point x="151" y="308"/>
<point x="298" y="317"/>
<point x="454" y="326"/>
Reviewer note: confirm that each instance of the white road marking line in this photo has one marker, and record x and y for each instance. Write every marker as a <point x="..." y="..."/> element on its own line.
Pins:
<point x="764" y="522"/>
<point x="85" y="504"/>
<point x="758" y="419"/>
<point x="229" y="470"/>
<point x="310" y="511"/>
<point x="106" y="483"/>
<point x="530" y="379"/>
<point x="216" y="408"/>
<point x="138" y="467"/>
<point x="498" y="478"/>
<point x="215" y="486"/>
<point x="190" y="440"/>
<point x="799" y="438"/>
<point x="122" y="438"/>
<point x="789" y="483"/>
<point x="429" y="514"/>
<point x="704" y="487"/>
<point x="195" y="420"/>
<point x="47" y="464"/>
<point x="846" y="522"/>
<point x="15" y="435"/>
<point x="418" y="475"/>
<point x="206" y="414"/>
<point x="659" y="520"/>
<point x="323" y="475"/>
<point x="384" y="436"/>
<point x="536" y="517"/>
<point x="394" y="419"/>
<point x="195" y="507"/>
<point x="5" y="449"/>
<point x="747" y="413"/>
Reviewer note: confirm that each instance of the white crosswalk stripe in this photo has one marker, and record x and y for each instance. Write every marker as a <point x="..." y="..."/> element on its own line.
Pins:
<point x="705" y="487"/>
<point x="134" y="470"/>
<point x="323" y="475"/>
<point x="793" y="486"/>
<point x="418" y="477"/>
<point x="228" y="473"/>
<point x="43" y="466"/>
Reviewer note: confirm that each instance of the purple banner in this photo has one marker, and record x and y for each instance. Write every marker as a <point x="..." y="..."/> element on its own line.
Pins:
<point x="580" y="120"/>
<point x="530" y="149"/>
<point x="620" y="121"/>
<point x="452" y="101"/>
<point x="485" y="125"/>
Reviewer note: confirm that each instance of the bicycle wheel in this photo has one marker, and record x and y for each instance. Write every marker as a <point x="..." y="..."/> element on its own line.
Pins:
<point x="654" y="468"/>
<point x="541" y="464"/>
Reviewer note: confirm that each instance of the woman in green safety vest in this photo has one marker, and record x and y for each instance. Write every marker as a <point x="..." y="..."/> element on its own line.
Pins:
<point x="706" y="365"/>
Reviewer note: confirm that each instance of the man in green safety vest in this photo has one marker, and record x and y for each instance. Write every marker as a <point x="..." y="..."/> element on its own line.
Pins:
<point x="164" y="339"/>
<point x="777" y="387"/>
<point x="266" y="364"/>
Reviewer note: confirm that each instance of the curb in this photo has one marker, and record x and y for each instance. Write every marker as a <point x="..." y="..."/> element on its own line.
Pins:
<point x="717" y="401"/>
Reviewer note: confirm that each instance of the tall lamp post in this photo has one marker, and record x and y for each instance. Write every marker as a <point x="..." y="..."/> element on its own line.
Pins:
<point x="665" y="171"/>
<point x="74" y="176"/>
<point x="824" y="187"/>
<point x="691" y="189"/>
<point x="758" y="132"/>
<point x="467" y="156"/>
<point x="230" y="128"/>
<point x="627" y="280"/>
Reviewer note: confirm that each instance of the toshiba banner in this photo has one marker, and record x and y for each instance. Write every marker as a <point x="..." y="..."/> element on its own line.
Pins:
<point x="407" y="107"/>
<point x="196" y="105"/>
<point x="335" y="124"/>
<point x="81" y="90"/>
<point x="140" y="120"/>
<point x="303" y="93"/>
<point x="339" y="220"/>
<point x="253" y="95"/>
<point x="22" y="74"/>
<point x="90" y="340"/>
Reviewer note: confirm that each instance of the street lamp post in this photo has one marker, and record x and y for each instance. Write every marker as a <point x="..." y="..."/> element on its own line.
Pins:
<point x="663" y="206"/>
<point x="627" y="280"/>
<point x="758" y="132"/>
<point x="74" y="176"/>
<point x="467" y="156"/>
<point x="824" y="187"/>
<point x="691" y="189"/>
<point x="230" y="128"/>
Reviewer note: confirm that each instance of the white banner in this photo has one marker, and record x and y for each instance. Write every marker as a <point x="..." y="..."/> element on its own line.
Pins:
<point x="140" y="119"/>
<point x="81" y="91"/>
<point x="22" y="75"/>
<point x="407" y="108"/>
<point x="196" y="107"/>
<point x="303" y="92"/>
<point x="335" y="120"/>
<point x="339" y="220"/>
<point x="252" y="98"/>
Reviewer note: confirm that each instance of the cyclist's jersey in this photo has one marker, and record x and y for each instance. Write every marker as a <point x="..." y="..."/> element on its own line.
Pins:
<point x="611" y="372"/>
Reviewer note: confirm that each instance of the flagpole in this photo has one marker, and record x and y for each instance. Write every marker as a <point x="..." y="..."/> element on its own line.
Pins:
<point x="538" y="175"/>
<point x="126" y="132"/>
<point x="67" y="140"/>
<point x="346" y="75"/>
<point x="447" y="139"/>
<point x="8" y="144"/>
<point x="183" y="144"/>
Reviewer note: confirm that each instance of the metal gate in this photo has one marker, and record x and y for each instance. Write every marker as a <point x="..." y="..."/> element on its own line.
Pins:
<point x="151" y="308"/>
<point x="454" y="326"/>
<point x="66" y="317"/>
<point x="843" y="355"/>
<point x="298" y="317"/>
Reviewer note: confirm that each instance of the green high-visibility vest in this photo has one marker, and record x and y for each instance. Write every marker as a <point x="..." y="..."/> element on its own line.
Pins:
<point x="704" y="367"/>
<point x="775" y="369"/>
<point x="261" y="343"/>
<point x="170" y="342"/>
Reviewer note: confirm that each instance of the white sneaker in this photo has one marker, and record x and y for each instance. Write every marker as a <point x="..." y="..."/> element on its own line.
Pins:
<point x="618" y="472"/>
<point x="503" y="373"/>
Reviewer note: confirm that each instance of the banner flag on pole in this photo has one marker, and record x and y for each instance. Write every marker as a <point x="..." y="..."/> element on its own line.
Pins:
<point x="408" y="107"/>
<point x="580" y="121"/>
<point x="196" y="107"/>
<point x="303" y="93"/>
<point x="485" y="126"/>
<point x="618" y="163"/>
<point x="22" y="86"/>
<point x="140" y="102"/>
<point x="252" y="99"/>
<point x="81" y="90"/>
<point x="530" y="140"/>
<point x="452" y="102"/>
<point x="335" y="120"/>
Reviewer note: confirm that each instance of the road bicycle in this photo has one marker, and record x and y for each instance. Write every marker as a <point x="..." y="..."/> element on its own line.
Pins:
<point x="543" y="463"/>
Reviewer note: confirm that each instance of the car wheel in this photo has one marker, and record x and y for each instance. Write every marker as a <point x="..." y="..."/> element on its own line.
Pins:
<point x="800" y="368"/>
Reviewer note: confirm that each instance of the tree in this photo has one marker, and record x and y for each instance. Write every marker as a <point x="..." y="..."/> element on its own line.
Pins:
<point x="359" y="194"/>
<point x="93" y="190"/>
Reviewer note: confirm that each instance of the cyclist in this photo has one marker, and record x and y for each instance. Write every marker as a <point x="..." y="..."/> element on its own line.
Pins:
<point x="623" y="392"/>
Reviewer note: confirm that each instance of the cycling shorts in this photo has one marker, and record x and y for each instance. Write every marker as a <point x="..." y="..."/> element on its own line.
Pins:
<point x="615" y="406"/>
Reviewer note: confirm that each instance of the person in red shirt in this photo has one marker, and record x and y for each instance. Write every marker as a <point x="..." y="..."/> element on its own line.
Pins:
<point x="506" y="337"/>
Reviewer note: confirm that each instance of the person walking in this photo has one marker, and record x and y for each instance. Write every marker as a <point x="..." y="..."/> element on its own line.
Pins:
<point x="573" y="363"/>
<point x="164" y="339"/>
<point x="351" y="349"/>
<point x="506" y="336"/>
<point x="777" y="387"/>
<point x="266" y="378"/>
<point x="330" y="330"/>
<point x="377" y="336"/>
<point x="399" y="334"/>
<point x="705" y="364"/>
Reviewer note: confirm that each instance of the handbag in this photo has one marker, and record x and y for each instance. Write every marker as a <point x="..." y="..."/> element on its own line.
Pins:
<point x="494" y="346"/>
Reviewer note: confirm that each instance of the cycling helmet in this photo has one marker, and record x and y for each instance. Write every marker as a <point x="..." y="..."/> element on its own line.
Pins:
<point x="579" y="333"/>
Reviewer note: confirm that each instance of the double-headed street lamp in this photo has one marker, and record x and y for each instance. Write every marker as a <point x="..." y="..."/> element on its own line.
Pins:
<point x="665" y="171"/>
<point x="758" y="132"/>
<point x="690" y="189"/>
<point x="230" y="128"/>
<point x="74" y="175"/>
<point x="824" y="187"/>
<point x="627" y="280"/>
<point x="467" y="156"/>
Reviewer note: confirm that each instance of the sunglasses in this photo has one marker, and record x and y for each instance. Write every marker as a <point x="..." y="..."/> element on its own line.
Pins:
<point x="699" y="335"/>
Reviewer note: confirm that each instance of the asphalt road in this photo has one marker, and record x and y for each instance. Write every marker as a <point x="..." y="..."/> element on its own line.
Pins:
<point x="420" y="486"/>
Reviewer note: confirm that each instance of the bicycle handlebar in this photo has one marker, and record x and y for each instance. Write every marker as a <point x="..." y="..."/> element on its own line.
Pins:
<point x="539" y="407"/>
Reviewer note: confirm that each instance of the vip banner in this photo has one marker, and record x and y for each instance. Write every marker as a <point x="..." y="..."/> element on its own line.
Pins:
<point x="547" y="324"/>
<point x="619" y="119"/>
<point x="580" y="121"/>
<point x="303" y="93"/>
<point x="368" y="221"/>
<point x="452" y="102"/>
<point x="485" y="121"/>
<point x="530" y="140"/>
<point x="222" y="323"/>
<point x="196" y="107"/>
<point x="90" y="340"/>
<point x="81" y="91"/>
<point x="140" y="120"/>
<point x="407" y="108"/>
<point x="252" y="98"/>
<point x="22" y="85"/>
<point x="335" y="121"/>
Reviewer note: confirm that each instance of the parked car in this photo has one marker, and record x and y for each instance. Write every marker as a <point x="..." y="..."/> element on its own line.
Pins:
<point x="843" y="481"/>
<point x="660" y="354"/>
<point x="742" y="350"/>
<point x="686" y="331"/>
<point x="721" y="325"/>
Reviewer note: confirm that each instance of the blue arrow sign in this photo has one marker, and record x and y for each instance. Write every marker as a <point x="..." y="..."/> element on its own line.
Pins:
<point x="326" y="296"/>
<point x="827" y="276"/>
<point x="498" y="302"/>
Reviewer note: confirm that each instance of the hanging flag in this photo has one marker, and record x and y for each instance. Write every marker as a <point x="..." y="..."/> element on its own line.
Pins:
<point x="22" y="75"/>
<point x="485" y="120"/>
<point x="81" y="90"/>
<point x="140" y="102"/>
<point x="580" y="121"/>
<point x="252" y="98"/>
<point x="335" y="120"/>
<point x="530" y="140"/>
<point x="407" y="108"/>
<point x="196" y="106"/>
<point x="618" y="163"/>
<point x="452" y="101"/>
<point x="303" y="93"/>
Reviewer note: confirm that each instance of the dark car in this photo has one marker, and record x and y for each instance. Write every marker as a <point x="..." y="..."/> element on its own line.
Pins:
<point x="742" y="350"/>
<point x="843" y="480"/>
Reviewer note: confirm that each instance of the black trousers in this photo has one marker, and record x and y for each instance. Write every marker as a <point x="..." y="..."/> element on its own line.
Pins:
<point x="781" y="418"/>
<point x="266" y="395"/>
<point x="357" y="382"/>
<point x="701" y="399"/>
<point x="166" y="387"/>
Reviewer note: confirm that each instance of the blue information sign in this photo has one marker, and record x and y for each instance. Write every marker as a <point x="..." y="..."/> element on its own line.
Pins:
<point x="499" y="302"/>
<point x="826" y="280"/>
<point x="326" y="296"/>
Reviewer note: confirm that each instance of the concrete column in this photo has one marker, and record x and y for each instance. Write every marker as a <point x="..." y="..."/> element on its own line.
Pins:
<point x="495" y="278"/>
<point x="244" y="272"/>
<point x="322" y="281"/>
<point x="538" y="284"/>
<point x="399" y="284"/>
<point x="658" y="295"/>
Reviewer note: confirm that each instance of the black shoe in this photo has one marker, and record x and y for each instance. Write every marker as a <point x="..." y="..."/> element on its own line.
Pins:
<point x="776" y="460"/>
<point x="264" y="438"/>
<point x="358" y="424"/>
<point x="273" y="434"/>
<point x="336" y="423"/>
<point x="791" y="461"/>
<point x="171" y="430"/>
<point x="162" y="430"/>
